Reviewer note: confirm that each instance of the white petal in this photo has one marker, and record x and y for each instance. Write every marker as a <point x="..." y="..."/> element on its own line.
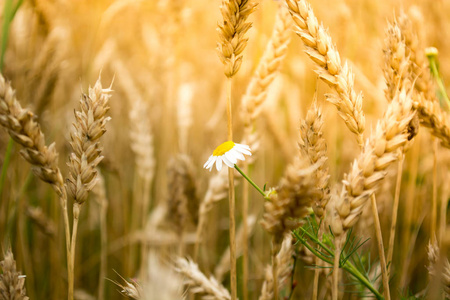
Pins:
<point x="207" y="162"/>
<point x="243" y="146"/>
<point x="219" y="164"/>
<point x="243" y="150"/>
<point x="230" y="156"/>
<point x="238" y="154"/>
<point x="227" y="162"/>
<point x="212" y="161"/>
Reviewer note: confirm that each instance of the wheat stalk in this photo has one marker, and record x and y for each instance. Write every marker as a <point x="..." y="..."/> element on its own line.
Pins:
<point x="313" y="145"/>
<point x="89" y="127"/>
<point x="320" y="49"/>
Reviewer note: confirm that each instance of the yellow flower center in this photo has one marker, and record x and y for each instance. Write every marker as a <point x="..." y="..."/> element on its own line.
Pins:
<point x="223" y="148"/>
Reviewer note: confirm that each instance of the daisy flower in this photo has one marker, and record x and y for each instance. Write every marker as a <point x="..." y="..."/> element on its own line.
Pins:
<point x="228" y="153"/>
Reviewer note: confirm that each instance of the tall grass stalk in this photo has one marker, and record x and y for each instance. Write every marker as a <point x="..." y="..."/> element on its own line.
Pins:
<point x="231" y="198"/>
<point x="434" y="199"/>
<point x="398" y="184"/>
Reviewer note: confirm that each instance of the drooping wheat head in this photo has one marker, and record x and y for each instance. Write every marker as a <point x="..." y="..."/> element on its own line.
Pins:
<point x="232" y="40"/>
<point x="380" y="151"/>
<point x="322" y="51"/>
<point x="22" y="127"/>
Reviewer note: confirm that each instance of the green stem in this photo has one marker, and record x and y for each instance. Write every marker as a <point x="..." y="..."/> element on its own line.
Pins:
<point x="432" y="58"/>
<point x="251" y="181"/>
<point x="348" y="266"/>
<point x="5" y="164"/>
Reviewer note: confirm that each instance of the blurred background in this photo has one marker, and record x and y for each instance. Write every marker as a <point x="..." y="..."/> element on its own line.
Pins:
<point x="169" y="99"/>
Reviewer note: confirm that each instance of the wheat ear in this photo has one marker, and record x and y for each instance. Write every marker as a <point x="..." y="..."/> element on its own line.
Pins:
<point x="89" y="127"/>
<point x="439" y="268"/>
<point x="284" y="270"/>
<point x="313" y="145"/>
<point x="12" y="283"/>
<point x="380" y="151"/>
<point x="426" y="103"/>
<point x="23" y="128"/>
<point x="288" y="204"/>
<point x="267" y="69"/>
<point x="232" y="33"/>
<point x="199" y="283"/>
<point x="320" y="49"/>
<point x="183" y="201"/>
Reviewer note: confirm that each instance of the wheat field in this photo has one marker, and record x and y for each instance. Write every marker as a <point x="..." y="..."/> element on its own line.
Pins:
<point x="232" y="149"/>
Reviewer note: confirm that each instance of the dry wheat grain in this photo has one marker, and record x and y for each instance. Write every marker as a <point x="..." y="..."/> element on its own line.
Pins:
<point x="22" y="127"/>
<point x="292" y="199"/>
<point x="284" y="270"/>
<point x="267" y="69"/>
<point x="89" y="126"/>
<point x="198" y="283"/>
<point x="369" y="169"/>
<point x="182" y="199"/>
<point x="439" y="267"/>
<point x="313" y="145"/>
<point x="322" y="51"/>
<point x="232" y="33"/>
<point x="12" y="283"/>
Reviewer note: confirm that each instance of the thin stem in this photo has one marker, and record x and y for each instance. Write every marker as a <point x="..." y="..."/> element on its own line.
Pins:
<point x="71" y="267"/>
<point x="63" y="203"/>
<point x="275" y="247"/>
<point x="384" y="274"/>
<point x="245" y="191"/>
<point x="434" y="200"/>
<point x="251" y="181"/>
<point x="410" y="196"/>
<point x="233" y="280"/>
<point x="103" y="245"/>
<point x="395" y="211"/>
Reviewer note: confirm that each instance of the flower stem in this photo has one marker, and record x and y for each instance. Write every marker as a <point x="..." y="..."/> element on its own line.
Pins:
<point x="251" y="182"/>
